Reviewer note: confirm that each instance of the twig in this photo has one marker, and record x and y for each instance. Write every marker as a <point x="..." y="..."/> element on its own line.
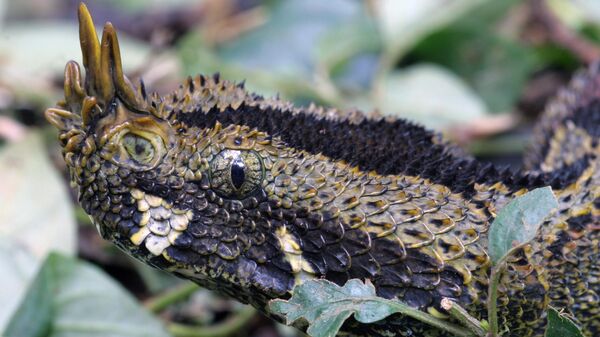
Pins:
<point x="406" y="310"/>
<point x="160" y="302"/>
<point x="223" y="329"/>
<point x="231" y="27"/>
<point x="463" y="316"/>
<point x="492" y="302"/>
<point x="562" y="35"/>
<point x="482" y="127"/>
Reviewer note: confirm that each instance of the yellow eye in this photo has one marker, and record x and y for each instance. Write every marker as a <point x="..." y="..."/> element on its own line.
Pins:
<point x="139" y="148"/>
<point x="236" y="173"/>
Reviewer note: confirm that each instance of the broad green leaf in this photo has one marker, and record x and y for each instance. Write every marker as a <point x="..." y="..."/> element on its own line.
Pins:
<point x="279" y="57"/>
<point x="36" y="217"/>
<point x="326" y="306"/>
<point x="518" y="222"/>
<point x="17" y="267"/>
<point x="287" y="41"/>
<point x="349" y="54"/>
<point x="197" y="57"/>
<point x="408" y="94"/>
<point x="403" y="23"/>
<point x="339" y="44"/>
<point x="495" y="64"/>
<point x="70" y="298"/>
<point x="559" y="325"/>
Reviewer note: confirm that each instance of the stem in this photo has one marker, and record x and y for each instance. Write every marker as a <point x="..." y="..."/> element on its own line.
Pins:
<point x="82" y="217"/>
<point x="226" y="328"/>
<point x="492" y="302"/>
<point x="160" y="302"/>
<point x="429" y="319"/>
<point x="498" y="146"/>
<point x="560" y="34"/>
<point x="463" y="316"/>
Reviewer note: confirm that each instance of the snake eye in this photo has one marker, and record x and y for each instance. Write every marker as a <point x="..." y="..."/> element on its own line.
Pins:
<point x="139" y="148"/>
<point x="236" y="173"/>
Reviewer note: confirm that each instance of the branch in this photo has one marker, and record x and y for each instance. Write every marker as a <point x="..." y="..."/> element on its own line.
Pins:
<point x="560" y="34"/>
<point x="228" y="327"/>
<point x="463" y="316"/>
<point x="161" y="302"/>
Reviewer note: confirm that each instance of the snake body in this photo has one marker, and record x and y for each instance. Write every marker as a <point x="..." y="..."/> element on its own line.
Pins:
<point x="250" y="196"/>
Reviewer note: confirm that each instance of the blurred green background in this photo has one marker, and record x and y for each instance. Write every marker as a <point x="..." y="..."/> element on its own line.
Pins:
<point x="479" y="71"/>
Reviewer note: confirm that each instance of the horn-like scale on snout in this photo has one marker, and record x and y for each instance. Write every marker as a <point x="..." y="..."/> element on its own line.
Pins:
<point x="104" y="79"/>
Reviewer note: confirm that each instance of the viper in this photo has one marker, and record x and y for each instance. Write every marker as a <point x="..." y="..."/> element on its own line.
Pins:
<point x="250" y="196"/>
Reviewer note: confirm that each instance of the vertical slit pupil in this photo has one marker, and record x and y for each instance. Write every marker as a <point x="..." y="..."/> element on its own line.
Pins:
<point x="237" y="173"/>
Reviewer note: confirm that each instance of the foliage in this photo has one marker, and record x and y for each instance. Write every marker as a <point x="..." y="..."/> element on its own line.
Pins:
<point x="494" y="64"/>
<point x="515" y="225"/>
<point x="406" y="94"/>
<point x="73" y="298"/>
<point x="325" y="306"/>
<point x="560" y="325"/>
<point x="518" y="222"/>
<point x="29" y="232"/>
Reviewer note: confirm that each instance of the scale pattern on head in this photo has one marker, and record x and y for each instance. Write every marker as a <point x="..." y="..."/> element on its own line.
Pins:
<point x="105" y="103"/>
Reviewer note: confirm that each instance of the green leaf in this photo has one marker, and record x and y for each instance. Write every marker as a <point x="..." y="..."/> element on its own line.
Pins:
<point x="286" y="42"/>
<point x="348" y="56"/>
<point x="341" y="43"/>
<point x="325" y="306"/>
<point x="518" y="222"/>
<point x="559" y="325"/>
<point x="403" y="23"/>
<point x="71" y="298"/>
<point x="198" y="57"/>
<point x="494" y="64"/>
<point x="36" y="217"/>
<point x="407" y="94"/>
<point x="17" y="267"/>
<point x="280" y="56"/>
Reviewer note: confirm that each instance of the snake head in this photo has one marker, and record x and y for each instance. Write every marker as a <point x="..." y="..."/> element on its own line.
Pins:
<point x="104" y="113"/>
<point x="114" y="136"/>
<point x="161" y="178"/>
